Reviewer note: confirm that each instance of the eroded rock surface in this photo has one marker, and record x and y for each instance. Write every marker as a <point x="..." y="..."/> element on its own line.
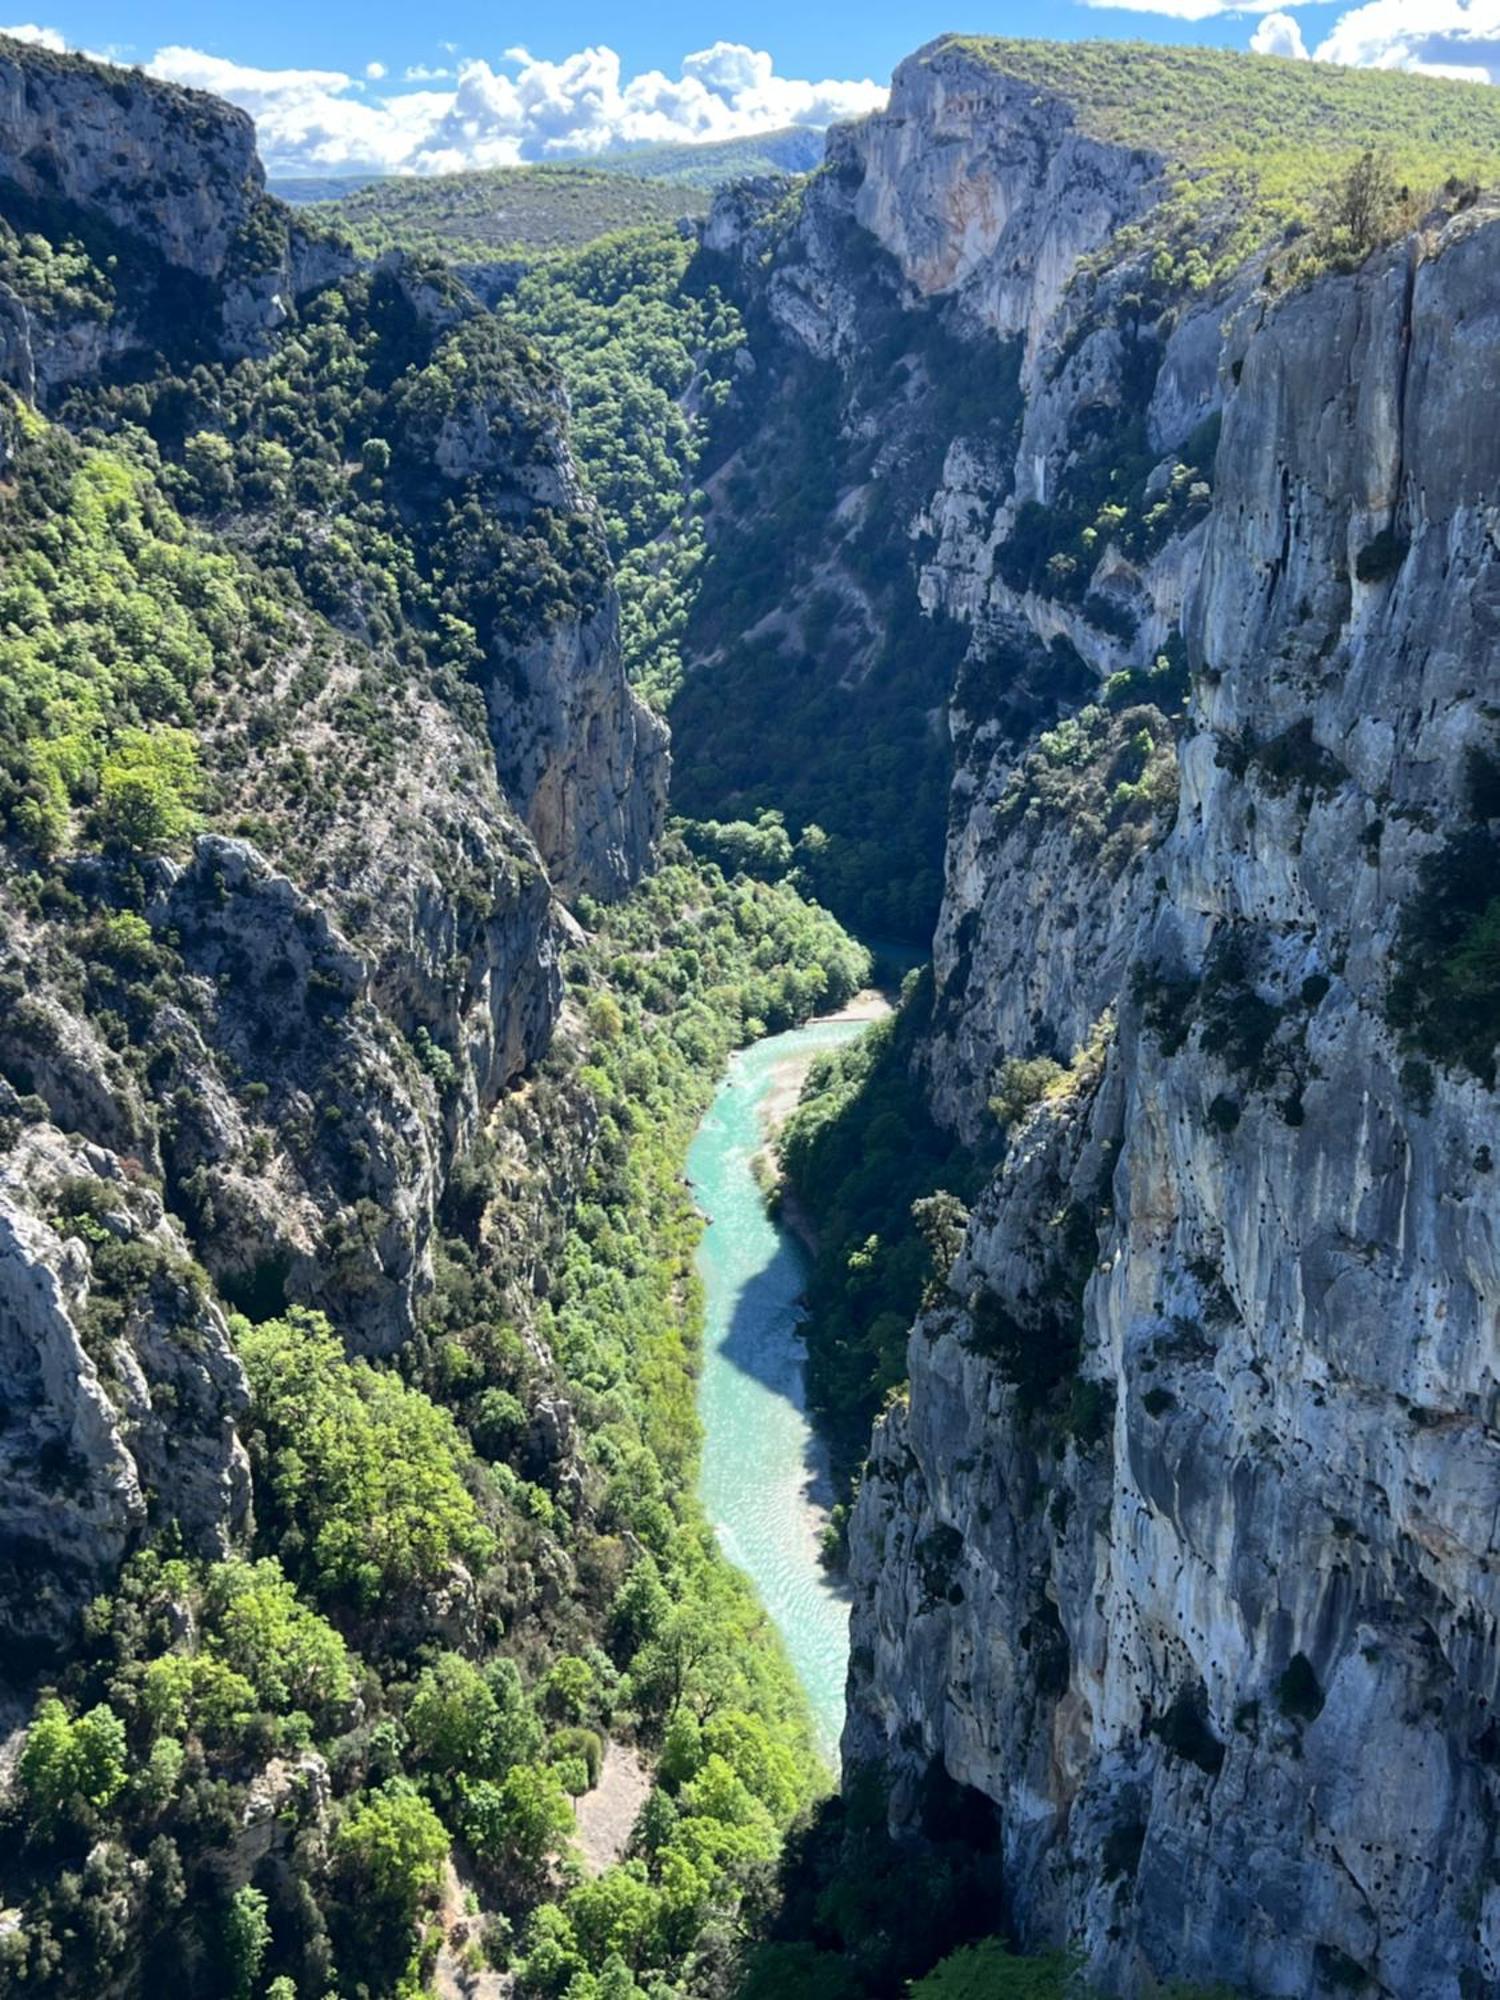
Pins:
<point x="1181" y="1553"/>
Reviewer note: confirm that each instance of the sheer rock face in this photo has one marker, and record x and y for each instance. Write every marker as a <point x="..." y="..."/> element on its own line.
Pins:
<point x="1216" y="1631"/>
<point x="578" y="754"/>
<point x="174" y="169"/>
<point x="980" y="185"/>
<point x="173" y="165"/>
<point x="589" y="764"/>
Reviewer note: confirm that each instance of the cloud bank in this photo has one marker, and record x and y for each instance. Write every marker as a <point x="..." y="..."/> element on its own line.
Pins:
<point x="521" y="108"/>
<point x="43" y="38"/>
<point x="1454" y="38"/>
<point x="1458" y="38"/>
<point x="1279" y="35"/>
<point x="1187" y="10"/>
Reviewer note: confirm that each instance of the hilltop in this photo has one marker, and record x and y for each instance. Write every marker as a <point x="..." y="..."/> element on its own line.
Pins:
<point x="1251" y="144"/>
<point x="504" y="211"/>
<point x="795" y="149"/>
<point x="520" y="211"/>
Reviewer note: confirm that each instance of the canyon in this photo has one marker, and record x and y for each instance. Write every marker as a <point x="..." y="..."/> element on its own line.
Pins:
<point x="1137" y="548"/>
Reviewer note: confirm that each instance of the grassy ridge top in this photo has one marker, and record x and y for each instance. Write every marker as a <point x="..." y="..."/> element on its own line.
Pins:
<point x="505" y="211"/>
<point x="525" y="211"/>
<point x="793" y="149"/>
<point x="1253" y="143"/>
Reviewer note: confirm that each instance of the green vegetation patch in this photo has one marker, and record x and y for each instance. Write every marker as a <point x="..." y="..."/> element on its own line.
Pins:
<point x="451" y="1613"/>
<point x="501" y="212"/>
<point x="113" y="616"/>
<point x="631" y="334"/>
<point x="361" y="1478"/>
<point x="858" y="1152"/>
<point x="1444" y="996"/>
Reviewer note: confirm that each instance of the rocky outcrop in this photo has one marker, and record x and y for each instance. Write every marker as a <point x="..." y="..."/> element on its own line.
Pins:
<point x="120" y="1386"/>
<point x="982" y="186"/>
<point x="1180" y="1552"/>
<point x="173" y="165"/>
<point x="579" y="755"/>
<point x="588" y="764"/>
<point x="176" y="174"/>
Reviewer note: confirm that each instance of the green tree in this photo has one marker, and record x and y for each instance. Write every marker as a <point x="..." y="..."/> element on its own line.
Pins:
<point x="292" y="1657"/>
<point x="570" y="1688"/>
<point x="616" y="1915"/>
<point x="393" y="1845"/>
<point x="777" y="1971"/>
<point x="246" y="1938"/>
<point x="198" y="1692"/>
<point x="762" y="1761"/>
<point x="519" y="1822"/>
<point x="149" y="788"/>
<point x="552" y="1959"/>
<point x="71" y="1771"/>
<point x="466" y="1721"/>
<point x="1363" y="205"/>
<point x="988" y="1971"/>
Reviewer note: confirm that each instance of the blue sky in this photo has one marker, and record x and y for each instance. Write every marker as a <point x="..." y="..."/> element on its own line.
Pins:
<point x="344" y="85"/>
<point x="840" y="39"/>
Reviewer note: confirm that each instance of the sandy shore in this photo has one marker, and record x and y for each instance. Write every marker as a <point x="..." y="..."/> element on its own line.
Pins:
<point x="789" y="1075"/>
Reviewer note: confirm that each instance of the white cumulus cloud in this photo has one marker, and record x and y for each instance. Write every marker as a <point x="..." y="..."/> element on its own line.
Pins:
<point x="1457" y="38"/>
<point x="1189" y="10"/>
<point x="518" y="108"/>
<point x="42" y="38"/>
<point x="1279" y="35"/>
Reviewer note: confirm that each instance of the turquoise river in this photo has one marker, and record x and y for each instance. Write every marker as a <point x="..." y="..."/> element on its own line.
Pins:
<point x="765" y="1477"/>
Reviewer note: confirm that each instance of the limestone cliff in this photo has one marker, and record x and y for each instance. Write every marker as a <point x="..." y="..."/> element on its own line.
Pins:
<point x="1180" y="1551"/>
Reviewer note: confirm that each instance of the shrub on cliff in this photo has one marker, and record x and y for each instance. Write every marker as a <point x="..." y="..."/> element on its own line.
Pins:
<point x="1444" y="997"/>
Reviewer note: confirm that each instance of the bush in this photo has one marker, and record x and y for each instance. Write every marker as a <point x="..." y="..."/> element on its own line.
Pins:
<point x="1023" y="1082"/>
<point x="586" y="1746"/>
<point x="1444" y="999"/>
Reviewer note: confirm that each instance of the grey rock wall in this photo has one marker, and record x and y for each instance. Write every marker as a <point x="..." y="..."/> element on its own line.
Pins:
<point x="1213" y="1624"/>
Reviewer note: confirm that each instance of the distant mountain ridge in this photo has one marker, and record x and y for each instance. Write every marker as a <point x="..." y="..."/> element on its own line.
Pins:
<point x="557" y="204"/>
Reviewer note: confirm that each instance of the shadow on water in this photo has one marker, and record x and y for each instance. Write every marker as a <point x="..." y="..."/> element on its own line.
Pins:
<point x="765" y="1477"/>
<point x="762" y="1339"/>
<point x="764" y="1343"/>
